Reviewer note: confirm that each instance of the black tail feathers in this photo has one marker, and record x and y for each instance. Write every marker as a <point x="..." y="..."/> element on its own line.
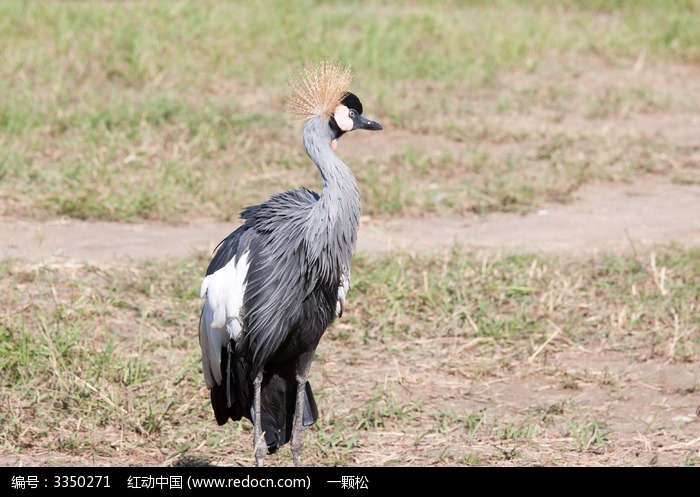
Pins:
<point x="233" y="397"/>
<point x="278" y="399"/>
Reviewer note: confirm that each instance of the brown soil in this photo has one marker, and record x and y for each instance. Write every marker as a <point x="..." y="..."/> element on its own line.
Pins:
<point x="604" y="218"/>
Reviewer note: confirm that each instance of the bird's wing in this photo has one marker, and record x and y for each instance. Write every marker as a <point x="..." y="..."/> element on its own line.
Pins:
<point x="223" y="290"/>
<point x="281" y="273"/>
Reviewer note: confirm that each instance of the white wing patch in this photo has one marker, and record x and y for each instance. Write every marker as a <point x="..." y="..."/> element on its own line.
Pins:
<point x="343" y="290"/>
<point x="223" y="293"/>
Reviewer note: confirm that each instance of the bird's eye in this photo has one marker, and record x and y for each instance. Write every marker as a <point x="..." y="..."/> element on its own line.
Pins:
<point x="351" y="113"/>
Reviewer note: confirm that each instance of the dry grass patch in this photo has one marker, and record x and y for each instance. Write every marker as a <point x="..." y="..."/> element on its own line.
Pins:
<point x="461" y="359"/>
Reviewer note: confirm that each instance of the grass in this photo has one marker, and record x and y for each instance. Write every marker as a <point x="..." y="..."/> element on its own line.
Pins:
<point x="154" y="110"/>
<point x="102" y="364"/>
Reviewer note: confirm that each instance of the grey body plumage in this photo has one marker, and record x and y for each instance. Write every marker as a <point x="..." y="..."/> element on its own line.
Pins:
<point x="273" y="287"/>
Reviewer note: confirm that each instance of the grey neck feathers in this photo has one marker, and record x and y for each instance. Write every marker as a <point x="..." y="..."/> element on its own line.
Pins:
<point x="333" y="221"/>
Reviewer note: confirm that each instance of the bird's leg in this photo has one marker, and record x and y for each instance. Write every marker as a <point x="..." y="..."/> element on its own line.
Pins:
<point x="302" y="375"/>
<point x="259" y="441"/>
<point x="298" y="426"/>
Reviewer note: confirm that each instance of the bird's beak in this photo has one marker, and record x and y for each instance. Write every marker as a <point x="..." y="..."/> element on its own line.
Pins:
<point x="363" y="123"/>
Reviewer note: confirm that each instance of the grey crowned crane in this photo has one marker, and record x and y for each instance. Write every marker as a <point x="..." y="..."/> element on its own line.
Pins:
<point x="278" y="281"/>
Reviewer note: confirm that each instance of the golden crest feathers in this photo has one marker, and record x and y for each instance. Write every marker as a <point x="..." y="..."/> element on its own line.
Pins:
<point x="317" y="89"/>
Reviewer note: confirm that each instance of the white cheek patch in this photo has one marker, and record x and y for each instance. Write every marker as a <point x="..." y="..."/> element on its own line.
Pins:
<point x="342" y="118"/>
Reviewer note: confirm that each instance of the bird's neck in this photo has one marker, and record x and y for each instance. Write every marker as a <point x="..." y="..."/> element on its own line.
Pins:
<point x="339" y="184"/>
<point x="338" y="210"/>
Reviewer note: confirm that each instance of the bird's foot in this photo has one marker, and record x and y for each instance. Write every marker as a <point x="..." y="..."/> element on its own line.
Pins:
<point x="297" y="448"/>
<point x="259" y="446"/>
<point x="260" y="453"/>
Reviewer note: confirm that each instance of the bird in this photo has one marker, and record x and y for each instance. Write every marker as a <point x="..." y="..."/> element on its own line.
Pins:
<point x="277" y="282"/>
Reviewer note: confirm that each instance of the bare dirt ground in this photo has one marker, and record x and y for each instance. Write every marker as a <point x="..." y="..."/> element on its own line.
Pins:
<point x="603" y="218"/>
<point x="647" y="403"/>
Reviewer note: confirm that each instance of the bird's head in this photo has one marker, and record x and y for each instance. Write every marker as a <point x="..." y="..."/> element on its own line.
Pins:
<point x="321" y="91"/>
<point x="347" y="116"/>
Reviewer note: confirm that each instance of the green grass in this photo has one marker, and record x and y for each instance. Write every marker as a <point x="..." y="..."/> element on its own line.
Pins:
<point x="589" y="435"/>
<point x="159" y="110"/>
<point x="102" y="364"/>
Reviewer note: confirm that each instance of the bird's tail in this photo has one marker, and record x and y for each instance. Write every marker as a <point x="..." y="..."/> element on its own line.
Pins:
<point x="234" y="397"/>
<point x="278" y="400"/>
